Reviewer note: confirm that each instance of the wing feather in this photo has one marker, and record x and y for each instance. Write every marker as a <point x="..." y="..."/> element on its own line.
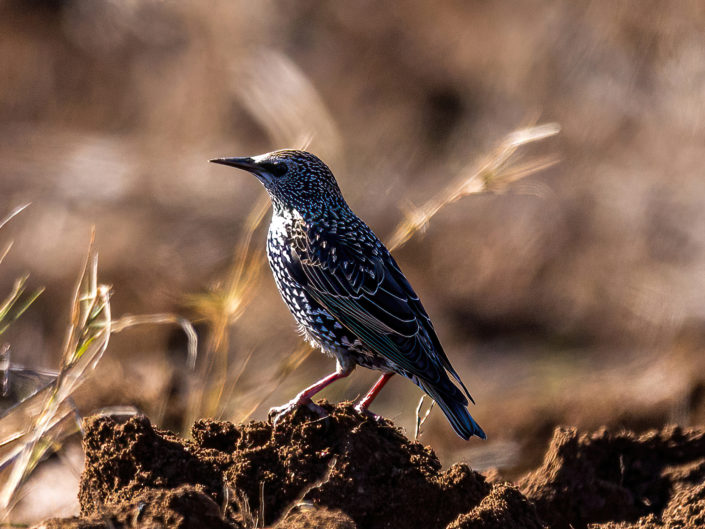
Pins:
<point x="369" y="295"/>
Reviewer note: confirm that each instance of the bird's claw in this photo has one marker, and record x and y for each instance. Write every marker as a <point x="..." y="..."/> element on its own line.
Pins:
<point x="277" y="413"/>
<point x="362" y="410"/>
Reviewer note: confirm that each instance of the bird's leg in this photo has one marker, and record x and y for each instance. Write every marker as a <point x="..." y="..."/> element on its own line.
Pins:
<point x="304" y="398"/>
<point x="364" y="404"/>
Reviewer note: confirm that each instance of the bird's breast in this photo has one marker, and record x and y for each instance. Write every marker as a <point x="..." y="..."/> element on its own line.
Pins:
<point x="317" y="325"/>
<point x="280" y="252"/>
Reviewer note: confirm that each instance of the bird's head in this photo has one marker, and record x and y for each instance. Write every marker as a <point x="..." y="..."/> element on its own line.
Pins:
<point x="294" y="179"/>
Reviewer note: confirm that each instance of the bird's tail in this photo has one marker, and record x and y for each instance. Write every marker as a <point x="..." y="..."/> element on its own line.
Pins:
<point x="456" y="410"/>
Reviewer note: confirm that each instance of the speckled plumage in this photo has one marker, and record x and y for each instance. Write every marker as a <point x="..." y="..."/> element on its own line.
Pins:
<point x="344" y="288"/>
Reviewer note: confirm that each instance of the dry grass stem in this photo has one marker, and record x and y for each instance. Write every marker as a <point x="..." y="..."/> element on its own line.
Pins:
<point x="4" y="369"/>
<point x="231" y="393"/>
<point x="285" y="102"/>
<point x="493" y="173"/>
<point x="4" y="253"/>
<point x="7" y="316"/>
<point x="419" y="419"/>
<point x="12" y="301"/>
<point x="13" y="214"/>
<point x="250" y="520"/>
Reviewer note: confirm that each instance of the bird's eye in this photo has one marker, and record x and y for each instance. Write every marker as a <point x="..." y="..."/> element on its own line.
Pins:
<point x="277" y="169"/>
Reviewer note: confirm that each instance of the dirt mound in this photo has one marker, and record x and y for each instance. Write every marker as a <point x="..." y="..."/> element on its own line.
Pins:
<point x="503" y="508"/>
<point x="616" y="477"/>
<point x="346" y="462"/>
<point x="124" y="459"/>
<point x="348" y="470"/>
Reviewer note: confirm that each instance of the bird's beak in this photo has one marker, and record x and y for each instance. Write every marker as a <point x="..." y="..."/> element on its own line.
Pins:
<point x="246" y="164"/>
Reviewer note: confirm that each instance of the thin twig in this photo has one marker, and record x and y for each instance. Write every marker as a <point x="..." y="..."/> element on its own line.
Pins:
<point x="421" y="420"/>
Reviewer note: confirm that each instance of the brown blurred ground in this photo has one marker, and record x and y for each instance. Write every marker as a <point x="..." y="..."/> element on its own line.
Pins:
<point x="575" y="298"/>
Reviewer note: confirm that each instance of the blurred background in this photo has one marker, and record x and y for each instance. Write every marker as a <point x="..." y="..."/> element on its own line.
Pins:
<point x="574" y="297"/>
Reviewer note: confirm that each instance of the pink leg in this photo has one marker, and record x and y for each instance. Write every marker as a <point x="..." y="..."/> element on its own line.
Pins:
<point x="374" y="391"/>
<point x="304" y="398"/>
<point x="305" y="395"/>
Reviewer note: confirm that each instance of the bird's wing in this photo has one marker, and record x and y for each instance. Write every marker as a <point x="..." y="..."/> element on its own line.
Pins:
<point x="360" y="285"/>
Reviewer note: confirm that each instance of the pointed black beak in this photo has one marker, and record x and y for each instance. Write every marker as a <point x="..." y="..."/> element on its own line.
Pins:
<point x="246" y="163"/>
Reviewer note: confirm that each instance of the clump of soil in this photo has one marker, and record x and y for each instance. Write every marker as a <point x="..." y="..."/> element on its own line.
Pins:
<point x="350" y="471"/>
<point x="686" y="509"/>
<point x="184" y="507"/>
<point x="504" y="507"/>
<point x="345" y="462"/>
<point x="614" y="477"/>
<point x="125" y="458"/>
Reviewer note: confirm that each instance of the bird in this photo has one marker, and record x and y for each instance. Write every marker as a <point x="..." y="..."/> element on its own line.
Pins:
<point x="346" y="291"/>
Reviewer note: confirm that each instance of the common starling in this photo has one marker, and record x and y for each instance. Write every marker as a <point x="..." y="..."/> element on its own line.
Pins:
<point x="345" y="290"/>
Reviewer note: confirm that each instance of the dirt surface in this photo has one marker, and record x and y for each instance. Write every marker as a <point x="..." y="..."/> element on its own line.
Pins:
<point x="348" y="471"/>
<point x="184" y="507"/>
<point x="652" y="480"/>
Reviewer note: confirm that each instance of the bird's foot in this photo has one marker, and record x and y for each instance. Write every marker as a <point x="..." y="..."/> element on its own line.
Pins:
<point x="363" y="410"/>
<point x="277" y="413"/>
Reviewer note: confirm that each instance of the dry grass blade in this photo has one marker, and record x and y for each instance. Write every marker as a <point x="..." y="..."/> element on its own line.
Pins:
<point x="7" y="316"/>
<point x="260" y="511"/>
<point x="419" y="419"/>
<point x="5" y="251"/>
<point x="86" y="340"/>
<point x="4" y="369"/>
<point x="284" y="101"/>
<point x="12" y="301"/>
<point x="11" y="525"/>
<point x="41" y="414"/>
<point x="243" y="507"/>
<point x="227" y="496"/>
<point x="13" y="214"/>
<point x="493" y="173"/>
